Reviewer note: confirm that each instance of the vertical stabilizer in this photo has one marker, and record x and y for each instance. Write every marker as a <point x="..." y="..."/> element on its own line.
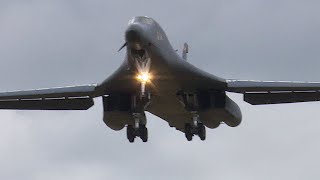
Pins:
<point x="185" y="51"/>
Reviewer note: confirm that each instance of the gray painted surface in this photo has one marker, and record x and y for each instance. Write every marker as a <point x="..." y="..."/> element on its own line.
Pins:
<point x="275" y="142"/>
<point x="148" y="50"/>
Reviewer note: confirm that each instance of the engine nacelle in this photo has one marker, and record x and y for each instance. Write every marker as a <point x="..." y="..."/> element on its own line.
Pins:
<point x="217" y="107"/>
<point x="117" y="111"/>
<point x="120" y="110"/>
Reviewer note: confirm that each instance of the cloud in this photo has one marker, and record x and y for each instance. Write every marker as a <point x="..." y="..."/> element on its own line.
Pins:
<point x="57" y="43"/>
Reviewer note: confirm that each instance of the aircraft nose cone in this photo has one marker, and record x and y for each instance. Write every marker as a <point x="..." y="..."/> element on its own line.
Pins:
<point x="134" y="33"/>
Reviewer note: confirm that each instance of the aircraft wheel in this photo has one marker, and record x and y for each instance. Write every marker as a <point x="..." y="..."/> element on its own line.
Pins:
<point x="130" y="133"/>
<point x="202" y="131"/>
<point x="188" y="132"/>
<point x="143" y="133"/>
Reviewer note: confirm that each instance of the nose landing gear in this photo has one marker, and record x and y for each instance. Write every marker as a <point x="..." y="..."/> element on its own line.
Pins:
<point x="138" y="127"/>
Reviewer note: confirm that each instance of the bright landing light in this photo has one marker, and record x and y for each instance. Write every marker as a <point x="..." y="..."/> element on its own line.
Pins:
<point x="144" y="77"/>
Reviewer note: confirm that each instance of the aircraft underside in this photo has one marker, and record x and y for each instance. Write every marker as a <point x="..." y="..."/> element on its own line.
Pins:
<point x="189" y="111"/>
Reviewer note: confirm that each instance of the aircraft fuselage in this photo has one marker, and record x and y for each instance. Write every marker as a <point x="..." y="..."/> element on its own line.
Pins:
<point x="182" y="91"/>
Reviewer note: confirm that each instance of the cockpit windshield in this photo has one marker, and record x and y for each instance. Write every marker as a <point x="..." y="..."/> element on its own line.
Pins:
<point x="141" y="19"/>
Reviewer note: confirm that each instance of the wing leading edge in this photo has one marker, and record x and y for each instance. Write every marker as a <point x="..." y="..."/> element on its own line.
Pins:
<point x="275" y="92"/>
<point x="63" y="98"/>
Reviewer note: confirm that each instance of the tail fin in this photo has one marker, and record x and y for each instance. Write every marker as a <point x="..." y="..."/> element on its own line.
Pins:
<point x="185" y="51"/>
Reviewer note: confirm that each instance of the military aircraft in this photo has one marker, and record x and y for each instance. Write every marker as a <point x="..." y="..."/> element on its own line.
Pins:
<point x="154" y="78"/>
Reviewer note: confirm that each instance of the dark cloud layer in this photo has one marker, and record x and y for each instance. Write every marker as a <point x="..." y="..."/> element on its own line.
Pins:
<point x="58" y="43"/>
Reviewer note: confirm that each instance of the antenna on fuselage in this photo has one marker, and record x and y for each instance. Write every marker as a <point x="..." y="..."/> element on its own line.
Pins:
<point x="124" y="45"/>
<point x="185" y="51"/>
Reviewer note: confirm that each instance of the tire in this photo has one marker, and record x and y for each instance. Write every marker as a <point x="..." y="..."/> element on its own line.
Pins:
<point x="202" y="132"/>
<point x="188" y="133"/>
<point x="143" y="133"/>
<point x="130" y="133"/>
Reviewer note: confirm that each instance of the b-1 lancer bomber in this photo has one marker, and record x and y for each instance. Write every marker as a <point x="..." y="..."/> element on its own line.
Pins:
<point x="155" y="78"/>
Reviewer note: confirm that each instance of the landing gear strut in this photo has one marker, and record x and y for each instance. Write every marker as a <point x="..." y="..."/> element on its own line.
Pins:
<point x="139" y="104"/>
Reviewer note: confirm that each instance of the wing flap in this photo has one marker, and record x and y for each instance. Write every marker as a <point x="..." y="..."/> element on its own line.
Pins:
<point x="244" y="86"/>
<point x="278" y="98"/>
<point x="48" y="104"/>
<point x="275" y="92"/>
<point x="73" y="91"/>
<point x="64" y="98"/>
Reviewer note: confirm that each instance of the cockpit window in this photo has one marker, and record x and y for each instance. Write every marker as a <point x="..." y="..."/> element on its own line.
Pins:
<point x="131" y="21"/>
<point x="142" y="19"/>
<point x="159" y="36"/>
<point x="148" y="20"/>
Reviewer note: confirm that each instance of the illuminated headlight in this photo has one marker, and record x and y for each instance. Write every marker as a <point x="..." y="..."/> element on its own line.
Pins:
<point x="144" y="77"/>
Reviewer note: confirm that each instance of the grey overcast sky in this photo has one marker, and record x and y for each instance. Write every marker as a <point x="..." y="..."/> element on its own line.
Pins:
<point x="50" y="43"/>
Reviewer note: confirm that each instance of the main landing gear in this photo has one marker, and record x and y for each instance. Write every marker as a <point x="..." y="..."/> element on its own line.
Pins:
<point x="133" y="132"/>
<point x="196" y="128"/>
